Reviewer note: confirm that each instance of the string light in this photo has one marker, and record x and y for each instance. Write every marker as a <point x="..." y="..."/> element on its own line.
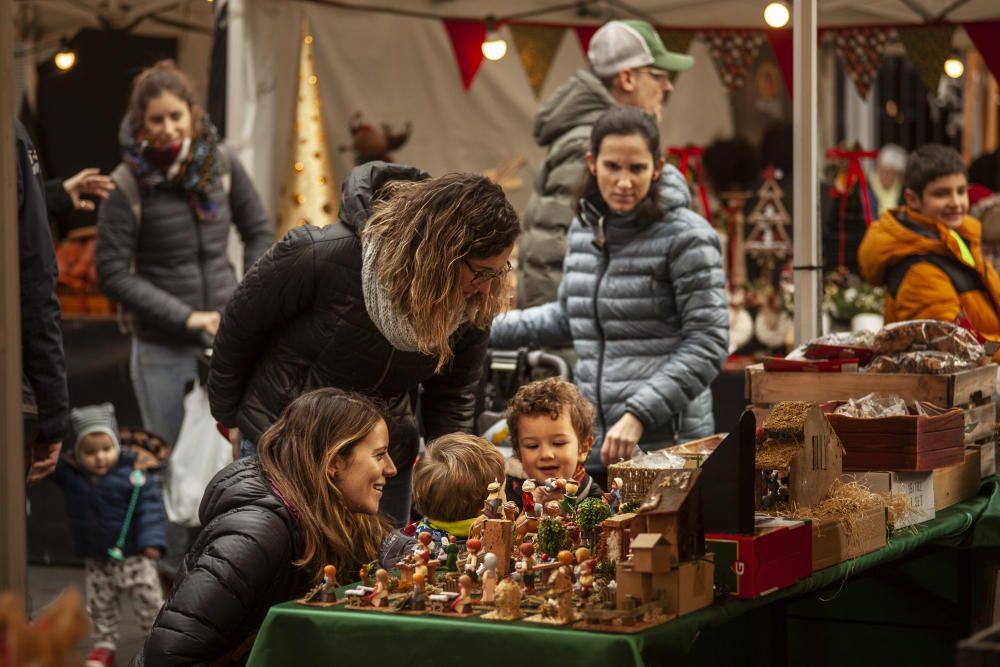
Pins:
<point x="494" y="46"/>
<point x="954" y="68"/>
<point x="776" y="14"/>
<point x="65" y="57"/>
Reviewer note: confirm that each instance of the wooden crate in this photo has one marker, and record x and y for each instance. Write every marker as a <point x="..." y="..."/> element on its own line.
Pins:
<point x="971" y="387"/>
<point x="980" y="422"/>
<point x="915" y="443"/>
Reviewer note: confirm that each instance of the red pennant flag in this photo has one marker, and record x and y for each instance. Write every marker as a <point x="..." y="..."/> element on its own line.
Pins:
<point x="782" y="47"/>
<point x="585" y="33"/>
<point x="986" y="37"/>
<point x="467" y="42"/>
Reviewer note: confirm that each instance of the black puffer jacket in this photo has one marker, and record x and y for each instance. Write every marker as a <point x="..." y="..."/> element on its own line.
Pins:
<point x="180" y="264"/>
<point x="239" y="567"/>
<point x="298" y="322"/>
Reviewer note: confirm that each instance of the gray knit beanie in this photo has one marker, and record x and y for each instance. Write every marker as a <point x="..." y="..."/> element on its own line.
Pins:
<point x="94" y="419"/>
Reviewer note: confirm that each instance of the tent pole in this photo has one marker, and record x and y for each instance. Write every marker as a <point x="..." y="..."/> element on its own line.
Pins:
<point x="806" y="252"/>
<point x="13" y="529"/>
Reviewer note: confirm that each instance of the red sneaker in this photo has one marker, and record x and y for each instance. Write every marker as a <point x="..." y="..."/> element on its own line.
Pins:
<point x="100" y="656"/>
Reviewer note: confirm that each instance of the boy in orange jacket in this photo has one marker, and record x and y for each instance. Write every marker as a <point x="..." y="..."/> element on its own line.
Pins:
<point x="927" y="254"/>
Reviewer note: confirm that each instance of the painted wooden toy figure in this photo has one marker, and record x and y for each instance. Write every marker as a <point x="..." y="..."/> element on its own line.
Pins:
<point x="569" y="500"/>
<point x="559" y="600"/>
<point x="585" y="580"/>
<point x="508" y="600"/>
<point x="488" y="574"/>
<point x="451" y="549"/>
<point x="472" y="548"/>
<point x="420" y="566"/>
<point x="526" y="566"/>
<point x="528" y="495"/>
<point x="463" y="603"/>
<point x="614" y="496"/>
<point x="380" y="596"/>
<point x="494" y="501"/>
<point x="423" y="545"/>
<point x="418" y="598"/>
<point x="329" y="591"/>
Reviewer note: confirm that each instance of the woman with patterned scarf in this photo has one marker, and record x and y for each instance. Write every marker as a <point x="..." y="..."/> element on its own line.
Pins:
<point x="161" y="251"/>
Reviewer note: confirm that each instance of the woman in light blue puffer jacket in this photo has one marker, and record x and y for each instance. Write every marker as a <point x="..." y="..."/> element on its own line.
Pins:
<point x="642" y="299"/>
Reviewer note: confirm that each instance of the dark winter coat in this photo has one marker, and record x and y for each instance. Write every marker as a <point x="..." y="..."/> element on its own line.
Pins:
<point x="239" y="567"/>
<point x="96" y="507"/>
<point x="43" y="379"/>
<point x="169" y="264"/>
<point x="646" y="314"/>
<point x="298" y="322"/>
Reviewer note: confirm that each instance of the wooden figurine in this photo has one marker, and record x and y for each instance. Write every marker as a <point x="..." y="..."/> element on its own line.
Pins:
<point x="559" y="600"/>
<point x="451" y="549"/>
<point x="494" y="499"/>
<point x="463" y="603"/>
<point x="421" y="564"/>
<point x="569" y="499"/>
<point x="528" y="495"/>
<point x="329" y="591"/>
<point x="614" y="495"/>
<point x="472" y="548"/>
<point x="508" y="600"/>
<point x="585" y="580"/>
<point x="526" y="566"/>
<point x="379" y="597"/>
<point x="488" y="575"/>
<point x="423" y="545"/>
<point x="418" y="598"/>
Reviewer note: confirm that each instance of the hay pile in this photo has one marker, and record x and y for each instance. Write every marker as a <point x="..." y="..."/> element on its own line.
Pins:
<point x="783" y="435"/>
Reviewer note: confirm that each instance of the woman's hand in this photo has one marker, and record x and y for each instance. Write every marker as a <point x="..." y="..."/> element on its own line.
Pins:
<point x="152" y="553"/>
<point x="621" y="439"/>
<point x="204" y="320"/>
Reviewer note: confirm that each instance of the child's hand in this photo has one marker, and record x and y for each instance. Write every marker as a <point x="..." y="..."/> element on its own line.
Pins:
<point x="152" y="553"/>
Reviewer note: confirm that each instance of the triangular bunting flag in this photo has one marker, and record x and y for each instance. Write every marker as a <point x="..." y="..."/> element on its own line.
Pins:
<point x="985" y="35"/>
<point x="585" y="33"/>
<point x="676" y="41"/>
<point x="467" y="42"/>
<point x="783" y="49"/>
<point x="733" y="51"/>
<point x="536" y="47"/>
<point x="307" y="192"/>
<point x="859" y="50"/>
<point x="928" y="47"/>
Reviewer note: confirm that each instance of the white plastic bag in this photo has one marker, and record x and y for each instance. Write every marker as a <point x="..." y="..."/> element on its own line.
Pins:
<point x="199" y="453"/>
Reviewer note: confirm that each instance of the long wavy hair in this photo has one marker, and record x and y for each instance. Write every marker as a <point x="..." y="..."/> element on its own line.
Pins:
<point x="296" y="455"/>
<point x="426" y="230"/>
<point x="163" y="77"/>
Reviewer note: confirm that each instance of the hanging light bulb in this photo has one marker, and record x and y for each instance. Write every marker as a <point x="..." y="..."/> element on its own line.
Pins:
<point x="954" y="68"/>
<point x="776" y="14"/>
<point x="494" y="46"/>
<point x="65" y="57"/>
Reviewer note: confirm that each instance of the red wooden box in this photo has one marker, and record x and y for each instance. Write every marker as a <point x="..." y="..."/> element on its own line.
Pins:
<point x="778" y="554"/>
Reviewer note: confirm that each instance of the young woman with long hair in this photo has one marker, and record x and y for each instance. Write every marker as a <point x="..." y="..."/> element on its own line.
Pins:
<point x="395" y="297"/>
<point x="272" y="522"/>
<point x="642" y="299"/>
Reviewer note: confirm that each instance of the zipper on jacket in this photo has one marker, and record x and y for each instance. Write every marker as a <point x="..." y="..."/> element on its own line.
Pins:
<point x="605" y="258"/>
<point x="201" y="263"/>
<point x="388" y="364"/>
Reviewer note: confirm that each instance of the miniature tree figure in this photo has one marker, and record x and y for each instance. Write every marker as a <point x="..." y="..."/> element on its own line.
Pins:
<point x="380" y="596"/>
<point x="329" y="591"/>
<point x="526" y="566"/>
<point x="631" y="506"/>
<point x="451" y="563"/>
<point x="508" y="600"/>
<point x="365" y="572"/>
<point x="551" y="535"/>
<point x="472" y="546"/>
<point x="418" y="598"/>
<point x="463" y="603"/>
<point x="488" y="573"/>
<point x="589" y="514"/>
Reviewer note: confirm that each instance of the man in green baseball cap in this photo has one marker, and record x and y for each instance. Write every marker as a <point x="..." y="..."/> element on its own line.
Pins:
<point x="629" y="66"/>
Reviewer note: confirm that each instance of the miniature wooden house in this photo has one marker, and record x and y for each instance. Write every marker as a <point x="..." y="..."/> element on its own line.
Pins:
<point x="672" y="508"/>
<point x="615" y="536"/>
<point x="800" y="457"/>
<point x="651" y="553"/>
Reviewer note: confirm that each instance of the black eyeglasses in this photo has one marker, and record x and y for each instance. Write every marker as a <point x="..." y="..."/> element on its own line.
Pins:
<point x="661" y="77"/>
<point x="483" y="275"/>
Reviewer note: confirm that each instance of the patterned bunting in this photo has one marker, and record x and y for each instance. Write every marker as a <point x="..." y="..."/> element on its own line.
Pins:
<point x="676" y="41"/>
<point x="928" y="47"/>
<point x="783" y="50"/>
<point x="985" y="35"/>
<point x="536" y="47"/>
<point x="733" y="51"/>
<point x="585" y="33"/>
<point x="859" y="50"/>
<point x="467" y="42"/>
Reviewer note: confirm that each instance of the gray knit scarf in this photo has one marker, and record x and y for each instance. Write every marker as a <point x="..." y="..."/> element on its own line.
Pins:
<point x="398" y="330"/>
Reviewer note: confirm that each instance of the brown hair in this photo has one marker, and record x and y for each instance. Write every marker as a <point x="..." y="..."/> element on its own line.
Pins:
<point x="450" y="479"/>
<point x="163" y="77"/>
<point x="550" y="397"/>
<point x="296" y="455"/>
<point x="427" y="231"/>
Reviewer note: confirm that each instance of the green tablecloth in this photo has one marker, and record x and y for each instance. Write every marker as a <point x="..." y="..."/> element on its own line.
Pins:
<point x="296" y="635"/>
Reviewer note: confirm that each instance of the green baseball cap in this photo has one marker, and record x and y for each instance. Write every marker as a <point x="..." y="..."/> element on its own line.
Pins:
<point x="618" y="45"/>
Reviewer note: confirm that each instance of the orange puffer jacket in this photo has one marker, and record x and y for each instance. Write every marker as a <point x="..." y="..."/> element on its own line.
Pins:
<point x="920" y="263"/>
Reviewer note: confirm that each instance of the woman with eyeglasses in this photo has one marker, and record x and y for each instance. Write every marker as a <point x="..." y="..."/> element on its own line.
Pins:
<point x="642" y="298"/>
<point x="397" y="295"/>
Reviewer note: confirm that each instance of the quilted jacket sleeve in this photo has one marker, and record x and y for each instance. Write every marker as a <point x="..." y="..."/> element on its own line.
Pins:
<point x="249" y="215"/>
<point x="275" y="289"/>
<point x="219" y="593"/>
<point x="150" y="517"/>
<point x="699" y="286"/>
<point x="449" y="398"/>
<point x="539" y="326"/>
<point x="114" y="254"/>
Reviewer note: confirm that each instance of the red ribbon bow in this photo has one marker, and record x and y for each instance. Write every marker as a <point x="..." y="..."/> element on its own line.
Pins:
<point x="692" y="155"/>
<point x="855" y="174"/>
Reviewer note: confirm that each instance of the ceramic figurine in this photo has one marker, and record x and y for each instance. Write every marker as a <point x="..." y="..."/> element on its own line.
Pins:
<point x="418" y="598"/>
<point x="380" y="596"/>
<point x="472" y="547"/>
<point x="488" y="575"/>
<point x="526" y="566"/>
<point x="329" y="591"/>
<point x="463" y="603"/>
